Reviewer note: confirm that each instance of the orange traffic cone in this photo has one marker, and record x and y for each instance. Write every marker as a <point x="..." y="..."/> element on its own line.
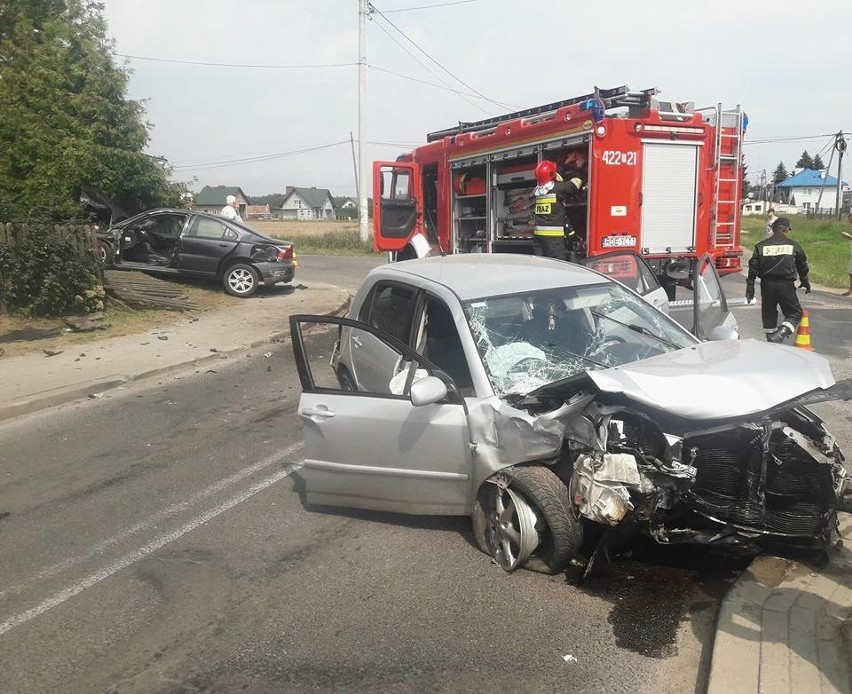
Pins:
<point x="803" y="334"/>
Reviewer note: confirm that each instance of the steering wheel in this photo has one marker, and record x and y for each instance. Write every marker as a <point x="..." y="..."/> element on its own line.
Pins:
<point x="608" y="342"/>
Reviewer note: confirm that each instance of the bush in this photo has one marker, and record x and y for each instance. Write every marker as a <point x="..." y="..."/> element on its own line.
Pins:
<point x="43" y="274"/>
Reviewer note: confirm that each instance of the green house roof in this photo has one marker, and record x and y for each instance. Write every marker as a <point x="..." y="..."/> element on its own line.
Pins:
<point x="215" y="195"/>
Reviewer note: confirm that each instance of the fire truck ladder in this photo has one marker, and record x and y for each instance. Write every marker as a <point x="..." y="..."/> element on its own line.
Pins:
<point x="609" y="98"/>
<point x="728" y="174"/>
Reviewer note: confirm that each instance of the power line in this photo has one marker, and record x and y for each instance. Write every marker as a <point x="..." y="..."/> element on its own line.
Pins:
<point x="431" y="84"/>
<point x="786" y="138"/>
<point x="430" y="71"/>
<point x="235" y="65"/>
<point x="254" y="158"/>
<point x="260" y="157"/>
<point x="429" y="7"/>
<point x="374" y="9"/>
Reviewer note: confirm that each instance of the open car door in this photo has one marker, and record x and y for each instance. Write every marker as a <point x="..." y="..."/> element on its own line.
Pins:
<point x="375" y="448"/>
<point x="397" y="204"/>
<point x="712" y="320"/>
<point x="631" y="269"/>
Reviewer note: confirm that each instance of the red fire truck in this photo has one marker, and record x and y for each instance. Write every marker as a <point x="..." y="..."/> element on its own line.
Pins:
<point x="663" y="180"/>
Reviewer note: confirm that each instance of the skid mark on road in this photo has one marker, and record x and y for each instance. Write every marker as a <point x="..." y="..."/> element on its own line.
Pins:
<point x="142" y="552"/>
<point x="151" y="521"/>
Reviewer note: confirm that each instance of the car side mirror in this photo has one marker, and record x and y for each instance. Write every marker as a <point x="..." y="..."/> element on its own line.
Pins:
<point x="723" y="332"/>
<point x="428" y="391"/>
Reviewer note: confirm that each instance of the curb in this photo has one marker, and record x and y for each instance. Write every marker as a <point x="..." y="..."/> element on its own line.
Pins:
<point x="77" y="391"/>
<point x="743" y="655"/>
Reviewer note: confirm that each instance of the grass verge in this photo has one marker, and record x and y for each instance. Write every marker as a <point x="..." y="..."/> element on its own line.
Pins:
<point x="116" y="322"/>
<point x="827" y="250"/>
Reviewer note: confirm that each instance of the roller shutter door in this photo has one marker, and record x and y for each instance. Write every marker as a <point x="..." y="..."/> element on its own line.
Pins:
<point x="669" y="180"/>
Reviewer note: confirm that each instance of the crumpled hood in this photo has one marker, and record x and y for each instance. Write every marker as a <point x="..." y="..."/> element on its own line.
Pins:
<point x="715" y="380"/>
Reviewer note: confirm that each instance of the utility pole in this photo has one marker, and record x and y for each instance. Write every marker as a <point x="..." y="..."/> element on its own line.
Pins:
<point x="840" y="146"/>
<point x="355" y="168"/>
<point x="363" y="231"/>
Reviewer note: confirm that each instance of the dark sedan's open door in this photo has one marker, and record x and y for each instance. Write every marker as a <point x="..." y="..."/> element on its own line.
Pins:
<point x="631" y="269"/>
<point x="397" y="204"/>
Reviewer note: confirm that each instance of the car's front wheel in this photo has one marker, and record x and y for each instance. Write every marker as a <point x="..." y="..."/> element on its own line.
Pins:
<point x="526" y="520"/>
<point x="241" y="280"/>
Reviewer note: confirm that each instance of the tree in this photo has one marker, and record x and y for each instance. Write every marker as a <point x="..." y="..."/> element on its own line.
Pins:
<point x="805" y="161"/>
<point x="746" y="187"/>
<point x="780" y="173"/>
<point x="818" y="163"/>
<point x="65" y="120"/>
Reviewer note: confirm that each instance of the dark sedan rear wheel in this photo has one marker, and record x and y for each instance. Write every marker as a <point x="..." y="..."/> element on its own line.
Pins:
<point x="528" y="522"/>
<point x="241" y="280"/>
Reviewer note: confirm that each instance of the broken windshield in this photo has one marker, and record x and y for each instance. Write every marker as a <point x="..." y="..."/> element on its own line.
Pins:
<point x="528" y="340"/>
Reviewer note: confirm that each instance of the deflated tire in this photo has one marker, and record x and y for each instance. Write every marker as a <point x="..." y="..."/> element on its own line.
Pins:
<point x="527" y="520"/>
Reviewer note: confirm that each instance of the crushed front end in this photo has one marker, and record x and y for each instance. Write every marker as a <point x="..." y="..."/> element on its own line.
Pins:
<point x="777" y="476"/>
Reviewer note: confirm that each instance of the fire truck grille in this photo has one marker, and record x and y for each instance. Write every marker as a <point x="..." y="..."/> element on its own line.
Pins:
<point x="793" y="500"/>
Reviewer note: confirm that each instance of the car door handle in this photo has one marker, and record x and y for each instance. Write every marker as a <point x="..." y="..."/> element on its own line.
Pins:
<point x="223" y="245"/>
<point x="321" y="412"/>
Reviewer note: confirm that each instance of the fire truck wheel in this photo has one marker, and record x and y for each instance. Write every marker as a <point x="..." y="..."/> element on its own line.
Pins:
<point x="528" y="522"/>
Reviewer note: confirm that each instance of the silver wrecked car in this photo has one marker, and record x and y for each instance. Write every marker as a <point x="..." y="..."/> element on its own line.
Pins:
<point x="538" y="396"/>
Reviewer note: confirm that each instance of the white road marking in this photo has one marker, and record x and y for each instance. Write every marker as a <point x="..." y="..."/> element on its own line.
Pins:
<point x="143" y="552"/>
<point x="153" y="520"/>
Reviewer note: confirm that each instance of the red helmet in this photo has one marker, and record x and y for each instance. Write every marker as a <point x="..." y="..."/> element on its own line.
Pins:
<point x="545" y="172"/>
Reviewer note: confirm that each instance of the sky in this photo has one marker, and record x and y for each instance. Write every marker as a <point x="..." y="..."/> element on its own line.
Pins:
<point x="788" y="64"/>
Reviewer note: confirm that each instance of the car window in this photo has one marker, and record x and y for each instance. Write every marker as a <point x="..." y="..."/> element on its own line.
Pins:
<point x="230" y="235"/>
<point x="390" y="307"/>
<point x="528" y="340"/>
<point x="165" y="224"/>
<point x="206" y="228"/>
<point x="442" y="345"/>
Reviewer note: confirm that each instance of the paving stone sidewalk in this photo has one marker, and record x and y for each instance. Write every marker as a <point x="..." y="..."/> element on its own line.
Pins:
<point x="787" y="627"/>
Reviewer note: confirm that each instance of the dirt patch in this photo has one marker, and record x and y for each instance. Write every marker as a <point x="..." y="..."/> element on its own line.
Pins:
<point x="21" y="335"/>
<point x="292" y="230"/>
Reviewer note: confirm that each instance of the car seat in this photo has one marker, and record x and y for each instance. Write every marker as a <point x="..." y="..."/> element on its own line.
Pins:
<point x="552" y="327"/>
<point x="444" y="348"/>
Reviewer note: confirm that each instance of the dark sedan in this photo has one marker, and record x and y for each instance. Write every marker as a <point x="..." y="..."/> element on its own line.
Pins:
<point x="198" y="244"/>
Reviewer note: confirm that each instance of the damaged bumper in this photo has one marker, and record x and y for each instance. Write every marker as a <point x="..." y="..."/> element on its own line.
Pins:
<point x="273" y="273"/>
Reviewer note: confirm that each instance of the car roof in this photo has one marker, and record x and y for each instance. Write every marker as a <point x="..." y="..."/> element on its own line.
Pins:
<point x="475" y="275"/>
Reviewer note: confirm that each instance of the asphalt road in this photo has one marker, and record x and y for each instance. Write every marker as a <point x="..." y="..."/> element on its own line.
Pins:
<point x="155" y="541"/>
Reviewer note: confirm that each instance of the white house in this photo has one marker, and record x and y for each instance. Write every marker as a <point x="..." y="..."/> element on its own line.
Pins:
<point x="307" y="203"/>
<point x="212" y="199"/>
<point x="810" y="190"/>
<point x="753" y="207"/>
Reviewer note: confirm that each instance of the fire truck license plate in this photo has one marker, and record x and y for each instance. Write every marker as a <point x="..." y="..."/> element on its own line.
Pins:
<point x="618" y="241"/>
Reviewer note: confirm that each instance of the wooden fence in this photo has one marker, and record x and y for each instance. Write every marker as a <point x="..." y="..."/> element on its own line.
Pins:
<point x="83" y="238"/>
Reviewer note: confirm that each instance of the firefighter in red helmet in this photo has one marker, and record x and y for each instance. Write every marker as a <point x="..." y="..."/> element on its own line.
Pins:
<point x="551" y="195"/>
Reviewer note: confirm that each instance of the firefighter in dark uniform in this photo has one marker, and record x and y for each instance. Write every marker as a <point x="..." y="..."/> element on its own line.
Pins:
<point x="776" y="261"/>
<point x="551" y="195"/>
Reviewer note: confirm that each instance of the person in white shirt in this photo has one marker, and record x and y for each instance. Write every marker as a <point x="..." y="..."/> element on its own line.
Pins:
<point x="770" y="220"/>
<point x="229" y="211"/>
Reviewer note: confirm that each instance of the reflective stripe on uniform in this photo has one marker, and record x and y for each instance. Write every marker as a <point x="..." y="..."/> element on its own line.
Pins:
<point x="549" y="231"/>
<point x="776" y="249"/>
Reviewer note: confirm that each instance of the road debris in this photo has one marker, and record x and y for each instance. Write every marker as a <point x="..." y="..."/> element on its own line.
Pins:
<point x="52" y="352"/>
<point x="568" y="658"/>
<point x="95" y="396"/>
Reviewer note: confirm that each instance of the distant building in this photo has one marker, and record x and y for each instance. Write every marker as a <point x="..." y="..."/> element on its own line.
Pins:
<point x="257" y="212"/>
<point x="307" y="203"/>
<point x="347" y="208"/>
<point x="212" y="199"/>
<point x="810" y="190"/>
